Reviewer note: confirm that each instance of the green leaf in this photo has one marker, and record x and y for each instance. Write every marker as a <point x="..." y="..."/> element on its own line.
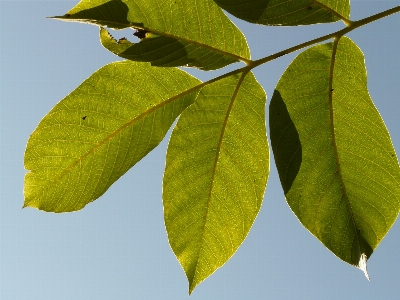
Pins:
<point x="164" y="51"/>
<point x="287" y="13"/>
<point x="335" y="158"/>
<point x="216" y="172"/>
<point x="172" y="32"/>
<point x="99" y="131"/>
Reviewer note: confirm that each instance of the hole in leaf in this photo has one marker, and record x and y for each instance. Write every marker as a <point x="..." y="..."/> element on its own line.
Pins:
<point x="140" y="33"/>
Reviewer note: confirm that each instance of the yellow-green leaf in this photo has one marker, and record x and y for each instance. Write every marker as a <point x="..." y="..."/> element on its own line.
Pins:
<point x="335" y="158"/>
<point x="215" y="176"/>
<point x="99" y="131"/>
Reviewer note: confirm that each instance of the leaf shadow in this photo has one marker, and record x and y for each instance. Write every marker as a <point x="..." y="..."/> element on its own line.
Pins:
<point x="160" y="51"/>
<point x="246" y="11"/>
<point x="166" y="51"/>
<point x="285" y="142"/>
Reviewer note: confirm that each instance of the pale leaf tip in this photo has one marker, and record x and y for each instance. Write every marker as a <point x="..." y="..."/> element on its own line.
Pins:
<point x="362" y="265"/>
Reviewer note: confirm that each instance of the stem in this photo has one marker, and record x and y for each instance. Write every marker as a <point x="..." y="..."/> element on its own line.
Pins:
<point x="338" y="34"/>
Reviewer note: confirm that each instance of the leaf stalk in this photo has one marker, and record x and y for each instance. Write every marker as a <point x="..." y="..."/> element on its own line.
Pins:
<point x="337" y="34"/>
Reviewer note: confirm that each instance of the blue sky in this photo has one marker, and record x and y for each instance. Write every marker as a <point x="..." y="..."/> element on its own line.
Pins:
<point x="117" y="247"/>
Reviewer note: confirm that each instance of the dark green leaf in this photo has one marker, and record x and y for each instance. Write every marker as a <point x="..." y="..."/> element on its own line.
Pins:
<point x="334" y="155"/>
<point x="287" y="13"/>
<point x="99" y="131"/>
<point x="216" y="172"/>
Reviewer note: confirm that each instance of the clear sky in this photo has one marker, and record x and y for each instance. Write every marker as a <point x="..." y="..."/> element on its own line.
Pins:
<point x="117" y="247"/>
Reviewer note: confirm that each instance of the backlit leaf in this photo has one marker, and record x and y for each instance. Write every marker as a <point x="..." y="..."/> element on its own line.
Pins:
<point x="99" y="131"/>
<point x="287" y="13"/>
<point x="216" y="172"/>
<point x="335" y="158"/>
<point x="164" y="51"/>
<point x="172" y="32"/>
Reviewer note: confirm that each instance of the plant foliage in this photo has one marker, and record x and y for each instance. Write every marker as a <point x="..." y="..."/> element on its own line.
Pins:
<point x="336" y="162"/>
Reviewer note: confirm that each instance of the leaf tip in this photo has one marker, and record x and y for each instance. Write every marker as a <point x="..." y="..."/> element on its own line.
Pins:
<point x="66" y="16"/>
<point x="192" y="282"/>
<point x="191" y="287"/>
<point x="362" y="265"/>
<point x="28" y="204"/>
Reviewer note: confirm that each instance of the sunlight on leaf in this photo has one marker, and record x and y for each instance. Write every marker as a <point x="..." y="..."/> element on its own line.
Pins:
<point x="335" y="158"/>
<point x="199" y="35"/>
<point x="99" y="131"/>
<point x="216" y="173"/>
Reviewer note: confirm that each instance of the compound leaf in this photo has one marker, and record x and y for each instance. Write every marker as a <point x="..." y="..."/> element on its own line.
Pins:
<point x="287" y="13"/>
<point x="99" y="131"/>
<point x="216" y="173"/>
<point x="172" y="32"/>
<point x="335" y="158"/>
